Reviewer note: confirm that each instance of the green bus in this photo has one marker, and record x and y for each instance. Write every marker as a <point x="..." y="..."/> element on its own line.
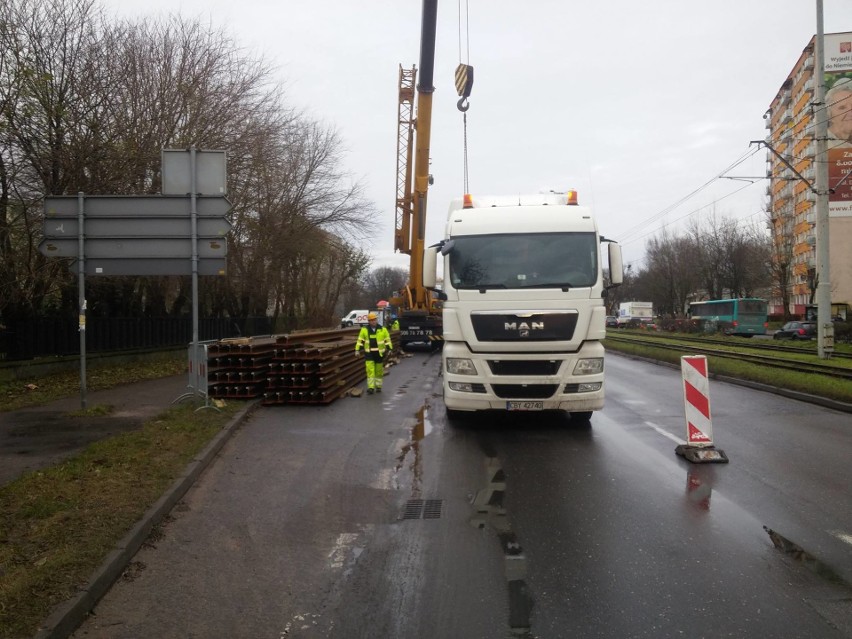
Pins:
<point x="744" y="316"/>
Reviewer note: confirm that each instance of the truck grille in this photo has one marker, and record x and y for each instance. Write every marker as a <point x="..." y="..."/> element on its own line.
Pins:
<point x="544" y="326"/>
<point x="524" y="391"/>
<point x="524" y="367"/>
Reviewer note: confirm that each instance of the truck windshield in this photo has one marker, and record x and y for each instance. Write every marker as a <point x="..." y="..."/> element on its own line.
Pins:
<point x="533" y="260"/>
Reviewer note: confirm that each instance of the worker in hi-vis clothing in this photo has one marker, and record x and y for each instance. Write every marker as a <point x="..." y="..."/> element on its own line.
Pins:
<point x="376" y="342"/>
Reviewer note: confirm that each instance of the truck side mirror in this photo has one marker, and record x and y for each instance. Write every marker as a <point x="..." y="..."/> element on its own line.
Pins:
<point x="616" y="266"/>
<point x="430" y="267"/>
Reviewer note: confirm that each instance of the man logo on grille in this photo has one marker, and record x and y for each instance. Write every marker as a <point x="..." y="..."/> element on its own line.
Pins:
<point x="523" y="328"/>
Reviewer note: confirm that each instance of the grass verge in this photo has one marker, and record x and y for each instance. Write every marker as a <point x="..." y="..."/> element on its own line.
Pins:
<point x="57" y="525"/>
<point x="810" y="383"/>
<point x="18" y="393"/>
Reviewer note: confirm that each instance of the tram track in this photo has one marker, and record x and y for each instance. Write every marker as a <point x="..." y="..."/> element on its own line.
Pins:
<point x="798" y="365"/>
<point x="774" y="346"/>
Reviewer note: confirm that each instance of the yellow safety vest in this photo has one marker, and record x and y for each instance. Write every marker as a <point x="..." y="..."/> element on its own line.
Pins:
<point x="373" y="341"/>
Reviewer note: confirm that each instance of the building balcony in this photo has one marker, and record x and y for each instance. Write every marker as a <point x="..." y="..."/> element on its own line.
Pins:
<point x="802" y="206"/>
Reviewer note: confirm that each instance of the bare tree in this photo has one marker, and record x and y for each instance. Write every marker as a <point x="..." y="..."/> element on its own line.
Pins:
<point x="731" y="257"/>
<point x="671" y="274"/>
<point x="46" y="50"/>
<point x="382" y="282"/>
<point x="709" y="245"/>
<point x="87" y="105"/>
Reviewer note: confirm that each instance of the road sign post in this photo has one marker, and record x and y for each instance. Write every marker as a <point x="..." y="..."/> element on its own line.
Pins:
<point x="181" y="232"/>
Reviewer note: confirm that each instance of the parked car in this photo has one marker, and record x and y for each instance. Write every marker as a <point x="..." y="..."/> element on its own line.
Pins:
<point x="796" y="330"/>
<point x="611" y="321"/>
<point x="650" y="325"/>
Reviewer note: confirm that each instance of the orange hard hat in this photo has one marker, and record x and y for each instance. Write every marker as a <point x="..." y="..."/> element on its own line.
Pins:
<point x="372" y="316"/>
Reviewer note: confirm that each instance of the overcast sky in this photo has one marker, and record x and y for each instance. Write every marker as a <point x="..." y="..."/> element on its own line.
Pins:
<point x="637" y="105"/>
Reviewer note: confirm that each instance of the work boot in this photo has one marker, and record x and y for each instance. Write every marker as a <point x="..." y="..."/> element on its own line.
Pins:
<point x="378" y="389"/>
<point x="370" y="391"/>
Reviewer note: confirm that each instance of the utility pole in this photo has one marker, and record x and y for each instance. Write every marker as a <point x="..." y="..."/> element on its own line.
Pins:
<point x="825" y="329"/>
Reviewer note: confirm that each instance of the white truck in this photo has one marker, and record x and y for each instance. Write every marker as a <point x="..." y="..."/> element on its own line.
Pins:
<point x="523" y="305"/>
<point x="634" y="312"/>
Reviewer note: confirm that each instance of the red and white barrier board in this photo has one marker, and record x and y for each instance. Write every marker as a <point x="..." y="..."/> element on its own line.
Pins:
<point x="696" y="398"/>
<point x="696" y="402"/>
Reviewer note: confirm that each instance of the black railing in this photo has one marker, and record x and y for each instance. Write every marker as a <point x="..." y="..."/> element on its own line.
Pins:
<point x="44" y="337"/>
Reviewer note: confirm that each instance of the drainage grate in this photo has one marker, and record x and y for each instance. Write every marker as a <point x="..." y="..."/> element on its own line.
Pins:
<point x="432" y="509"/>
<point x="423" y="509"/>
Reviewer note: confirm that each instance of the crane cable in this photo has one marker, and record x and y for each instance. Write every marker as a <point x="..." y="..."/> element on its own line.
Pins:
<point x="464" y="80"/>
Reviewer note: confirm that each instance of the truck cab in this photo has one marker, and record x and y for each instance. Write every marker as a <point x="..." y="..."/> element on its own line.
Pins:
<point x="524" y="312"/>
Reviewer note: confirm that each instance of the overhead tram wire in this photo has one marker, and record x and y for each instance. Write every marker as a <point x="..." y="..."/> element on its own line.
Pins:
<point x="642" y="226"/>
<point x="686" y="215"/>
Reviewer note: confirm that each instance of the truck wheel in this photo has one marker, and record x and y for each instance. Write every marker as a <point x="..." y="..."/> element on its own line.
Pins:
<point x="582" y="416"/>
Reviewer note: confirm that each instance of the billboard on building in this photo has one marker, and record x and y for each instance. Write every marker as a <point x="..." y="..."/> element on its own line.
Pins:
<point x="838" y="84"/>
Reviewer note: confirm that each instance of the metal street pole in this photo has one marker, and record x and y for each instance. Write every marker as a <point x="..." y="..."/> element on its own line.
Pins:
<point x="825" y="328"/>
<point x="81" y="293"/>
<point x="193" y="212"/>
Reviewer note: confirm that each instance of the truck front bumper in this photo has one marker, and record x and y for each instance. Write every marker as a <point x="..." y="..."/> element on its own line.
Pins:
<point x="500" y="381"/>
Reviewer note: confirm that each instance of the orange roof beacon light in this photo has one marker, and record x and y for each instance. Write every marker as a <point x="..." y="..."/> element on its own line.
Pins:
<point x="572" y="197"/>
<point x="468" y="201"/>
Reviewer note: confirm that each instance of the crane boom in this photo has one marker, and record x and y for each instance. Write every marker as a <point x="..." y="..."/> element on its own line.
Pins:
<point x="423" y="128"/>
<point x="405" y="134"/>
<point x="416" y="303"/>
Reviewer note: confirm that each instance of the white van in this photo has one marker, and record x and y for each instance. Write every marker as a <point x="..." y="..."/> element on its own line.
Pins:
<point x="354" y="318"/>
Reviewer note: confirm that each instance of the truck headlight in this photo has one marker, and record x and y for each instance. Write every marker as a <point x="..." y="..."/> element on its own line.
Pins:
<point x="589" y="387"/>
<point x="460" y="366"/>
<point x="590" y="366"/>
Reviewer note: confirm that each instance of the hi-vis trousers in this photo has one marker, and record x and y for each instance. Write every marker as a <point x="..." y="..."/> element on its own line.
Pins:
<point x="375" y="372"/>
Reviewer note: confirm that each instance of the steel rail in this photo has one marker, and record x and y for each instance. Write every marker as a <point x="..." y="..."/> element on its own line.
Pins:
<point x="774" y="345"/>
<point x="773" y="362"/>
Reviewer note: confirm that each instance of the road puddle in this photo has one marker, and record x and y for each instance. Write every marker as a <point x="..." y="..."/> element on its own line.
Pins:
<point x="699" y="486"/>
<point x="410" y="456"/>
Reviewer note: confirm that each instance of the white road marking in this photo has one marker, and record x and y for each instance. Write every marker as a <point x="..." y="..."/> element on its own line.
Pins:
<point x="665" y="433"/>
<point x="842" y="536"/>
<point x="344" y="542"/>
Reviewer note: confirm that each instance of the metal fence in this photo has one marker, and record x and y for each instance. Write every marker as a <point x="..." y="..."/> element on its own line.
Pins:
<point x="45" y="337"/>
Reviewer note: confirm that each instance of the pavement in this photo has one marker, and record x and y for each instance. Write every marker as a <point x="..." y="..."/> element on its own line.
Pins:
<point x="39" y="437"/>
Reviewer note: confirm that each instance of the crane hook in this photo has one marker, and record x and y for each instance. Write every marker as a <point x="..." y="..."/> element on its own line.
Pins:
<point x="463" y="105"/>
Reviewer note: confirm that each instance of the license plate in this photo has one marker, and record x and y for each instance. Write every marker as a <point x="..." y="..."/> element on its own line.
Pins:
<point x="524" y="405"/>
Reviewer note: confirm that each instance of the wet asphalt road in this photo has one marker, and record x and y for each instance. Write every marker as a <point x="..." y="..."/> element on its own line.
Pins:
<point x="374" y="517"/>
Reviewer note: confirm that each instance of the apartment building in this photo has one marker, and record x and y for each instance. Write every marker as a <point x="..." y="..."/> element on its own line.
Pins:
<point x="790" y="121"/>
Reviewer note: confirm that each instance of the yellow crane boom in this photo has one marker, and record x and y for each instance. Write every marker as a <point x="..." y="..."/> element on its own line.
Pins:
<point x="413" y="185"/>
